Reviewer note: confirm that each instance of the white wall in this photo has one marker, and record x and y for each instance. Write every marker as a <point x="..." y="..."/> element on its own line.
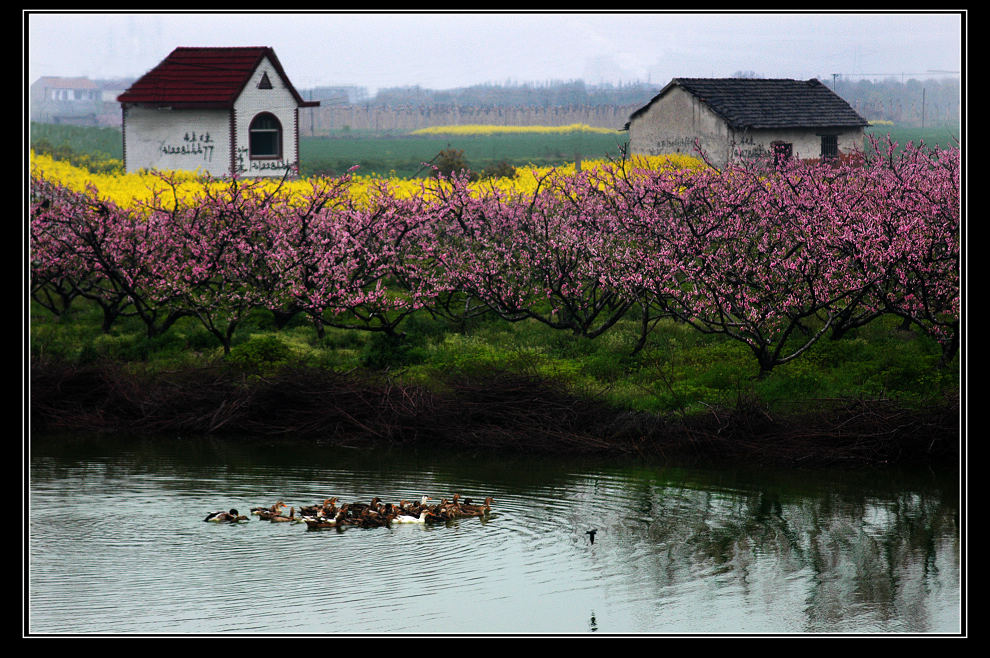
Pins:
<point x="177" y="139"/>
<point x="278" y="101"/>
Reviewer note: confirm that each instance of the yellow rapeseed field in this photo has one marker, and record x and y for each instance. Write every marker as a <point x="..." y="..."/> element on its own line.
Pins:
<point x="136" y="189"/>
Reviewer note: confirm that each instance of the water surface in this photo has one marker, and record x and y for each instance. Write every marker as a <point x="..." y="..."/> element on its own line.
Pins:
<point x="117" y="545"/>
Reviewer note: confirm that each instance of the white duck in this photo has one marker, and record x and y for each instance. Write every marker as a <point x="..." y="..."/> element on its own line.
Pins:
<point x="403" y="517"/>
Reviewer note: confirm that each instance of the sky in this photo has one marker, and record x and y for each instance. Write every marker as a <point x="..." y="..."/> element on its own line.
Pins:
<point x="444" y="50"/>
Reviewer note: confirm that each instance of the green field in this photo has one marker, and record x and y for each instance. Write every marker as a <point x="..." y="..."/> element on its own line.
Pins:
<point x="403" y="155"/>
<point x="385" y="155"/>
<point x="93" y="141"/>
<point x="942" y="135"/>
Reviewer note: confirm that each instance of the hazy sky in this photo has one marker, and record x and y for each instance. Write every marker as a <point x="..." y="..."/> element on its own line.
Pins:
<point x="447" y="50"/>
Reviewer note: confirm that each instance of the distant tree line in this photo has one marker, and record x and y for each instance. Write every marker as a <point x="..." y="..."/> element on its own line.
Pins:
<point x="909" y="102"/>
<point x="905" y="102"/>
<point x="548" y="94"/>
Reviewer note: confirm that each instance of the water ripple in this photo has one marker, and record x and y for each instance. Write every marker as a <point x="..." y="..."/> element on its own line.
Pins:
<point x="118" y="545"/>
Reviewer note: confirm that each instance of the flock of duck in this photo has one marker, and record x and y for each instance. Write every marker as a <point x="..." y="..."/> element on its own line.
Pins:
<point x="365" y="515"/>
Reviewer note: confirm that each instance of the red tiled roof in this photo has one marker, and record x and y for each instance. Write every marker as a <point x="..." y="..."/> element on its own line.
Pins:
<point x="203" y="77"/>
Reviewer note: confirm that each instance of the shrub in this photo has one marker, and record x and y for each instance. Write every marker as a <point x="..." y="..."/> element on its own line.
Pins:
<point x="260" y="353"/>
<point x="500" y="169"/>
<point x="451" y="161"/>
<point x="385" y="350"/>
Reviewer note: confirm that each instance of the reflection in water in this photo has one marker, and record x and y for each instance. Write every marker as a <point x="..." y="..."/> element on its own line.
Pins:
<point x="117" y="545"/>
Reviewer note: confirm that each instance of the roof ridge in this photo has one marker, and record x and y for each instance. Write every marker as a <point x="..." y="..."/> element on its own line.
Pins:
<point x="767" y="102"/>
<point x="205" y="76"/>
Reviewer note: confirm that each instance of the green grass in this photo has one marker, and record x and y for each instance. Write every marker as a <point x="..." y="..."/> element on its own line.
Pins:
<point x="679" y="371"/>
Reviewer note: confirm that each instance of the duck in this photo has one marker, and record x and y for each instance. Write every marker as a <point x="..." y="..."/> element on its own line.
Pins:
<point x="405" y="517"/>
<point x="267" y="513"/>
<point x="442" y="511"/>
<point x="360" y="508"/>
<point x="389" y="512"/>
<point x="373" y="521"/>
<point x="279" y="518"/>
<point x="326" y="508"/>
<point x="230" y="516"/>
<point x="467" y="509"/>
<point x="414" y="507"/>
<point x="326" y="522"/>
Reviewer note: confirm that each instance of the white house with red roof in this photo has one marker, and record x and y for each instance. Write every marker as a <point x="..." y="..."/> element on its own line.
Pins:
<point x="222" y="111"/>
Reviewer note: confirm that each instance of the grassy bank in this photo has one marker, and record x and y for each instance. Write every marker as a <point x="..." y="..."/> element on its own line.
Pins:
<point x="495" y="383"/>
<point x="680" y="370"/>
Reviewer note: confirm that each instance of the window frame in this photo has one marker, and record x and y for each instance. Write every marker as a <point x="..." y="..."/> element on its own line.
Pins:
<point x="830" y="147"/>
<point x="277" y="131"/>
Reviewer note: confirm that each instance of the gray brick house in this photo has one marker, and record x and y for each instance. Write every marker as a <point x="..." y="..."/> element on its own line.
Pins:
<point x="744" y="117"/>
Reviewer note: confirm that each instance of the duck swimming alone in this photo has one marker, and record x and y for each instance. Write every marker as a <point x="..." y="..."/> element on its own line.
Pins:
<point x="230" y="516"/>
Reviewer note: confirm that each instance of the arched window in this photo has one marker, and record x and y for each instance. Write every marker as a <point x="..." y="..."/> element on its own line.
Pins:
<point x="265" y="139"/>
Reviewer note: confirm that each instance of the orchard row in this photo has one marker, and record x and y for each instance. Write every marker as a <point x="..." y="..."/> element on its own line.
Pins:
<point x="775" y="255"/>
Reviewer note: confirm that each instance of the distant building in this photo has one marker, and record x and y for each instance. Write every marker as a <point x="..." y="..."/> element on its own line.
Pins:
<point x="65" y="100"/>
<point x="745" y="117"/>
<point x="223" y="111"/>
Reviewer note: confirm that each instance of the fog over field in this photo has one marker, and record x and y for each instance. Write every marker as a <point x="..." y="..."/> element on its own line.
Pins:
<point x="450" y="50"/>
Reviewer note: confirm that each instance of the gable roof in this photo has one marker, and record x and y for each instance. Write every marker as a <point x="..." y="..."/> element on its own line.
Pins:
<point x="767" y="103"/>
<point x="204" y="78"/>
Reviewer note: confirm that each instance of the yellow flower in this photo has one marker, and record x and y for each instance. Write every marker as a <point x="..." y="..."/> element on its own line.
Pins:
<point x="136" y="189"/>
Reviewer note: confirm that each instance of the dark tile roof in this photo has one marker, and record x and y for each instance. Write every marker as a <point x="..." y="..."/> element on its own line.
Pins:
<point x="767" y="103"/>
<point x="203" y="77"/>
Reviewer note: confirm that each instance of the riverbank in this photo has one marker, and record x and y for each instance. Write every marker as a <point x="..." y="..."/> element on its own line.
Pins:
<point x="485" y="412"/>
